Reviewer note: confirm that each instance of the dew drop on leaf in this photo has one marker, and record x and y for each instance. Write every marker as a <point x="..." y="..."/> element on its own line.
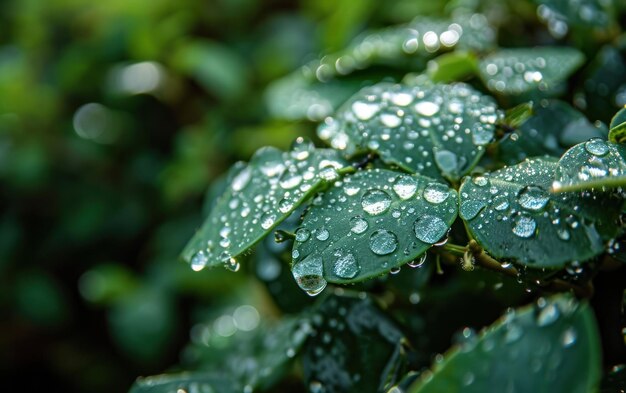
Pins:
<point x="358" y="225"/>
<point x="346" y="266"/>
<point x="405" y="187"/>
<point x="470" y="208"/>
<point x="548" y="315"/>
<point x="302" y="235"/>
<point x="430" y="229"/>
<point x="375" y="202"/>
<point x="308" y="273"/>
<point x="533" y="198"/>
<point x="267" y="220"/>
<point x="383" y="242"/>
<point x="426" y="108"/>
<point x="242" y="179"/>
<point x="322" y="234"/>
<point x="597" y="147"/>
<point x="524" y="226"/>
<point x="436" y="193"/>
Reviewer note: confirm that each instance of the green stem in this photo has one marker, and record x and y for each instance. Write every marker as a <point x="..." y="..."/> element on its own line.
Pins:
<point x="454" y="249"/>
<point x="484" y="260"/>
<point x="346" y="170"/>
<point x="606" y="182"/>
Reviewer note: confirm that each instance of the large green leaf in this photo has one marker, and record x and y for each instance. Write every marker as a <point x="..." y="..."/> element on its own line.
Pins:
<point x="434" y="130"/>
<point x="372" y="222"/>
<point x="515" y="71"/>
<point x="513" y="215"/>
<point x="261" y="194"/>
<point x="551" y="347"/>
<point x="553" y="127"/>
<point x="186" y="382"/>
<point x="356" y="348"/>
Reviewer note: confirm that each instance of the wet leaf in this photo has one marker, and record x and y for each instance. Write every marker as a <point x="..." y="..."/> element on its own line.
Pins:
<point x="356" y="348"/>
<point x="550" y="347"/>
<point x="617" y="132"/>
<point x="515" y="71"/>
<point x="372" y="222"/>
<point x="261" y="194"/>
<point x="553" y="127"/>
<point x="433" y="130"/>
<point x="513" y="215"/>
<point x="187" y="382"/>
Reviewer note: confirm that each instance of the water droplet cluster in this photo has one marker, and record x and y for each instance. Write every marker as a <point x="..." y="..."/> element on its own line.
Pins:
<point x="434" y="130"/>
<point x="259" y="196"/>
<point x="385" y="220"/>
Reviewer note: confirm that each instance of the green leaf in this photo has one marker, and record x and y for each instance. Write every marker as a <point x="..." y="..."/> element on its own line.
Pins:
<point x="617" y="132"/>
<point x="372" y="222"/>
<point x="261" y="194"/>
<point x="515" y="71"/>
<point x="518" y="115"/>
<point x="356" y="348"/>
<point x="593" y="165"/>
<point x="550" y="347"/>
<point x="187" y="382"/>
<point x="451" y="67"/>
<point x="512" y="214"/>
<point x="434" y="130"/>
<point x="553" y="127"/>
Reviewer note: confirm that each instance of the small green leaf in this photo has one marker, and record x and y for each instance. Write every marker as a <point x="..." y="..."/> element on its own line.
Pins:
<point x="356" y="348"/>
<point x="261" y="194"/>
<point x="553" y="127"/>
<point x="372" y="222"/>
<point x="515" y="71"/>
<point x="451" y="67"/>
<point x="512" y="214"/>
<point x="518" y="115"/>
<point x="617" y="132"/>
<point x="551" y="347"/>
<point x="187" y="382"/>
<point x="434" y="130"/>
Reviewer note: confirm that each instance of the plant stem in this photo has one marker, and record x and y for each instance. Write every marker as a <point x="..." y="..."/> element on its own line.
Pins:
<point x="606" y="182"/>
<point x="484" y="260"/>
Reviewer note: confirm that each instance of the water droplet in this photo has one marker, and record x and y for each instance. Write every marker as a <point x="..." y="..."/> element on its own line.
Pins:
<point x="401" y="99"/>
<point x="242" y="179"/>
<point x="513" y="333"/>
<point x="358" y="225"/>
<point x="308" y="273"/>
<point x="301" y="148"/>
<point x="364" y="111"/>
<point x="563" y="234"/>
<point x="383" y="242"/>
<point x="470" y="209"/>
<point x="322" y="234"/>
<point x="346" y="266"/>
<point x="524" y="226"/>
<point x="447" y="161"/>
<point x="285" y="205"/>
<point x="351" y="189"/>
<point x="429" y="228"/>
<point x="597" y="147"/>
<point x="500" y="203"/>
<point x="569" y="337"/>
<point x="480" y="181"/>
<point x="533" y="198"/>
<point x="375" y="202"/>
<point x="436" y="193"/>
<point x="290" y="179"/>
<point x="418" y="262"/>
<point x="548" y="315"/>
<point x="405" y="186"/>
<point x="390" y="120"/>
<point x="426" y="108"/>
<point x="199" y="261"/>
<point x="302" y="234"/>
<point x="267" y="220"/>
<point x="232" y="264"/>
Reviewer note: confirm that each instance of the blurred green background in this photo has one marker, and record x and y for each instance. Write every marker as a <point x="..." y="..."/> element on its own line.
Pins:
<point x="115" y="117"/>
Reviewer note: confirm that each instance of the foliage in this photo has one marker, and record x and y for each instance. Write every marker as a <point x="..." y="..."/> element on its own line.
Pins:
<point x="462" y="229"/>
